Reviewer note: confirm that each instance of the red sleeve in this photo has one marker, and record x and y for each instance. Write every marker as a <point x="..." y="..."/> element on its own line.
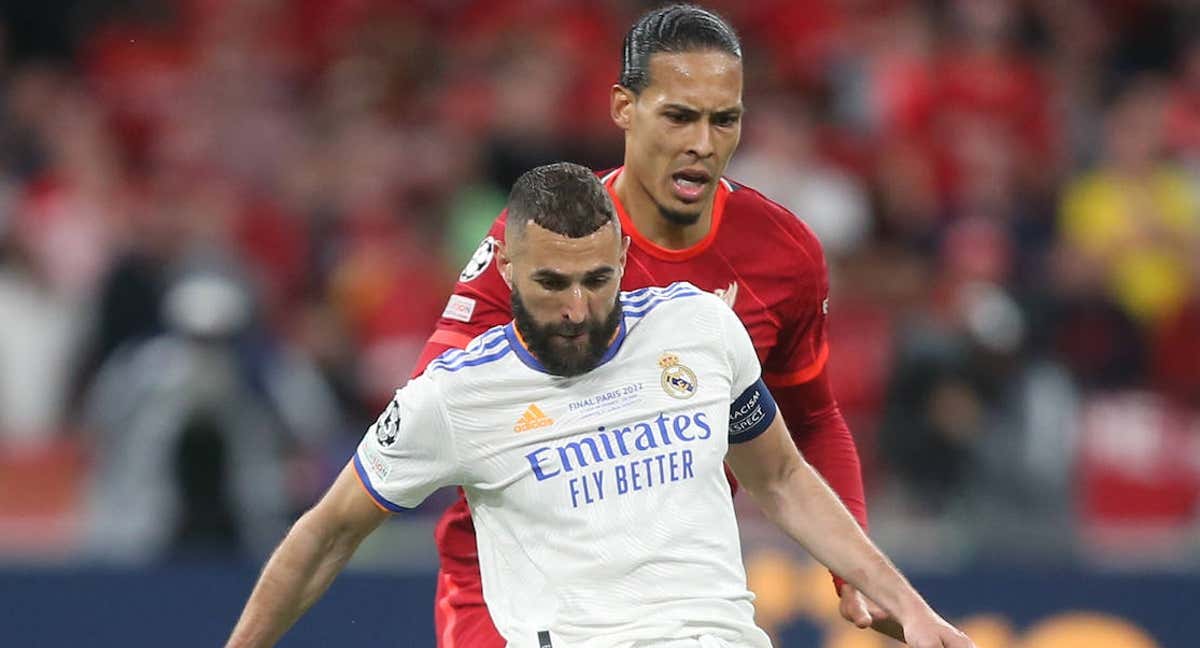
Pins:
<point x="479" y="302"/>
<point x="796" y="374"/>
<point x="802" y="348"/>
<point x="824" y="439"/>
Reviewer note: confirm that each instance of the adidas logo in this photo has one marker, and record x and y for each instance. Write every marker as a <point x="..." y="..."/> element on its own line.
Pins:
<point x="532" y="419"/>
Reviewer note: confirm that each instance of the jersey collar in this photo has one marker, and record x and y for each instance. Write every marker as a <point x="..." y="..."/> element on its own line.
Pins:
<point x="518" y="344"/>
<point x="654" y="249"/>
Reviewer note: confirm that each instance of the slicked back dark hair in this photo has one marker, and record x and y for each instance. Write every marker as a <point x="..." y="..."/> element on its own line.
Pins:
<point x="673" y="29"/>
<point x="565" y="198"/>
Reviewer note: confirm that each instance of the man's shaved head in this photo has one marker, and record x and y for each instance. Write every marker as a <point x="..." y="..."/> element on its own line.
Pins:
<point x="563" y="198"/>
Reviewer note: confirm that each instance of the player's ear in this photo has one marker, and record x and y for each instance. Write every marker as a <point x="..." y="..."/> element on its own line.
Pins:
<point x="504" y="264"/>
<point x="621" y="106"/>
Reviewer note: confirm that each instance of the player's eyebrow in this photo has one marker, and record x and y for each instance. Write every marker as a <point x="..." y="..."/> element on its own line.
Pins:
<point x="554" y="275"/>
<point x="730" y="111"/>
<point x="545" y="273"/>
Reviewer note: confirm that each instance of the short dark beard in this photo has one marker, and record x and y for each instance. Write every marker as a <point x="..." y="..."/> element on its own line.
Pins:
<point x="680" y="218"/>
<point x="538" y="337"/>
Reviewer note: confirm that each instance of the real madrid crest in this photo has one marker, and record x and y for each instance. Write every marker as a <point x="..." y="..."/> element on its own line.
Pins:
<point x="677" y="379"/>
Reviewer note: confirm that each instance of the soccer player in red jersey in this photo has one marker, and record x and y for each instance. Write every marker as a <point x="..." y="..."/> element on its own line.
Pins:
<point x="679" y="103"/>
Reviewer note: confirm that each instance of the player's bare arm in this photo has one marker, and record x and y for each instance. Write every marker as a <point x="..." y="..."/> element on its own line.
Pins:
<point x="796" y="499"/>
<point x="311" y="555"/>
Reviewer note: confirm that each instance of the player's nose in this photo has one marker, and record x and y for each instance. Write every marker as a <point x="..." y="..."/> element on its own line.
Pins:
<point x="702" y="140"/>
<point x="574" y="308"/>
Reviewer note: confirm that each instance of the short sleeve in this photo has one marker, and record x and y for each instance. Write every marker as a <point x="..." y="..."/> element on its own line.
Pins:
<point x="751" y="407"/>
<point x="480" y="300"/>
<point x="743" y="359"/>
<point x="410" y="450"/>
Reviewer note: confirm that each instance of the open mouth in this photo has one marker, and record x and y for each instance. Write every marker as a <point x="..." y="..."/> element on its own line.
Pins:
<point x="690" y="184"/>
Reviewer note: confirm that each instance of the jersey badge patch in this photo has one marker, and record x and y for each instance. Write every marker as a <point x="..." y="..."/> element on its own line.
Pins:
<point x="480" y="260"/>
<point x="677" y="379"/>
<point x="459" y="308"/>
<point x="728" y="295"/>
<point x="388" y="425"/>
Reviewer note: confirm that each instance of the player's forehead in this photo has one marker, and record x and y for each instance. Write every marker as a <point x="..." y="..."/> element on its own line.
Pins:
<point x="704" y="80"/>
<point x="542" y="250"/>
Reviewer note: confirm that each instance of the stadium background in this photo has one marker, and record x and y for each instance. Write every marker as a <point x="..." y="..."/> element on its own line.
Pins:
<point x="227" y="227"/>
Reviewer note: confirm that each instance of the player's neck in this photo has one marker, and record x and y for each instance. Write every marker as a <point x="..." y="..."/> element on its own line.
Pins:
<point x="646" y="217"/>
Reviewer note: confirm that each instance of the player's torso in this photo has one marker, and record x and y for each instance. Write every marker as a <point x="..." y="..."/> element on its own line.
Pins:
<point x="575" y="450"/>
<point x="611" y="482"/>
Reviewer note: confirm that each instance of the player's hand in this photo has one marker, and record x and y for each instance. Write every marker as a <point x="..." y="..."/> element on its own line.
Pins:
<point x="931" y="631"/>
<point x="865" y="613"/>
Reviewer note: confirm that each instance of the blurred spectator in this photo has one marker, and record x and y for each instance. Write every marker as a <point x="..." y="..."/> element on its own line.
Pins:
<point x="1183" y="111"/>
<point x="40" y="331"/>
<point x="192" y="432"/>
<point x="780" y="161"/>
<point x="1136" y="217"/>
<point x="1176" y="355"/>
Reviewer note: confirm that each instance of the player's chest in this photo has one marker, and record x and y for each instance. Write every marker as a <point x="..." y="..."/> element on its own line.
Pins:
<point x="653" y="408"/>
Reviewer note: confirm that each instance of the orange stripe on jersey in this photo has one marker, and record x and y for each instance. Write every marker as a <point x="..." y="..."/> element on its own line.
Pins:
<point x="366" y="490"/>
<point x="517" y="333"/>
<point x="656" y="250"/>
<point x="450" y="338"/>
<point x="800" y="377"/>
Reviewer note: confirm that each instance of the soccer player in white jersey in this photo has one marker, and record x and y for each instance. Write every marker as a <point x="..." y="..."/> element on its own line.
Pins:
<point x="589" y="435"/>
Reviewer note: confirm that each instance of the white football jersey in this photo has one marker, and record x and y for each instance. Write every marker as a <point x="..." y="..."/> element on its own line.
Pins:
<point x="600" y="502"/>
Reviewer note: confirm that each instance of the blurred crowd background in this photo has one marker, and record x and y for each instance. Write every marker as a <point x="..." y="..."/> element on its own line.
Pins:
<point x="228" y="226"/>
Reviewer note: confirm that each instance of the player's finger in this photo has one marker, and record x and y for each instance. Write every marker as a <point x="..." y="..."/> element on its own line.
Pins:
<point x="877" y="611"/>
<point x="956" y="639"/>
<point x="854" y="610"/>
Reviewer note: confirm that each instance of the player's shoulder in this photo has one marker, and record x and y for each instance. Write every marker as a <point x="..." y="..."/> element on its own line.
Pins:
<point x="677" y="296"/>
<point x="490" y="347"/>
<point x="754" y="215"/>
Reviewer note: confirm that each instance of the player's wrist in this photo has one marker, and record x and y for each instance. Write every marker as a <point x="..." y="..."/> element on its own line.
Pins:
<point x="911" y="608"/>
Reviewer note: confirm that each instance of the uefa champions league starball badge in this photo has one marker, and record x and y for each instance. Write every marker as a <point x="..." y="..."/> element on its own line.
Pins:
<point x="677" y="380"/>
<point x="388" y="425"/>
<point x="480" y="260"/>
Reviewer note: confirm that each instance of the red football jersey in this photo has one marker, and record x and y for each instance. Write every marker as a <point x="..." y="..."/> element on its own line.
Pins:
<point x="758" y="256"/>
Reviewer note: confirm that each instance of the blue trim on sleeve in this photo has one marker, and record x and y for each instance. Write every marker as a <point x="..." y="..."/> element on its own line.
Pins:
<point x="485" y="342"/>
<point x="366" y="481"/>
<point x="637" y="298"/>
<point x="493" y="348"/>
<point x="475" y="362"/>
<point x="643" y="309"/>
<point x="751" y="413"/>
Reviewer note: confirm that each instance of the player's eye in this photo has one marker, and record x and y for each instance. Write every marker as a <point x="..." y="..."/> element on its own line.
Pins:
<point x="726" y="119"/>
<point x="678" y="117"/>
<point x="552" y="283"/>
<point x="594" y="283"/>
